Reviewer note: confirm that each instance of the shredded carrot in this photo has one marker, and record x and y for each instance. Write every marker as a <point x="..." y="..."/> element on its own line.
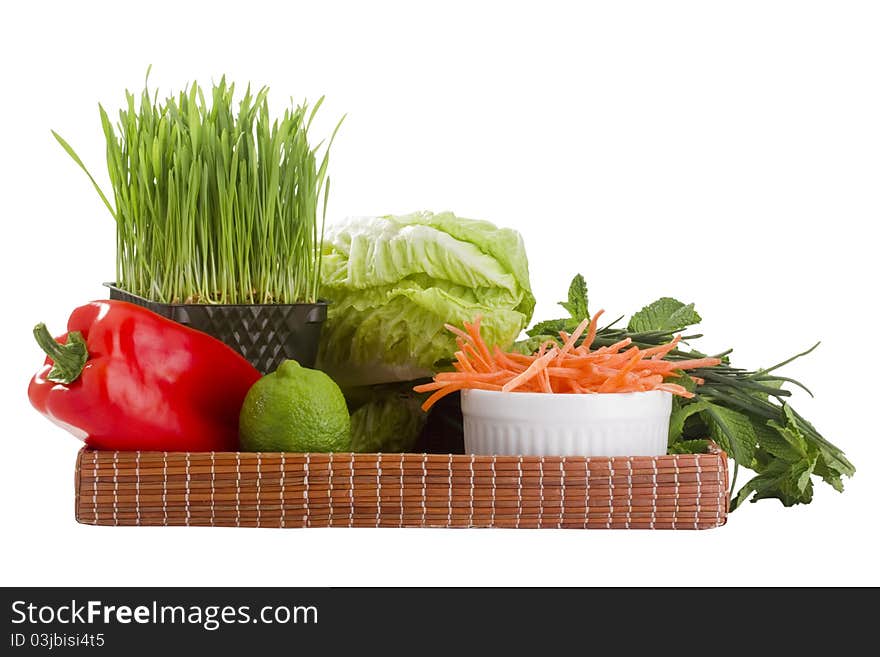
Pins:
<point x="571" y="339"/>
<point x="530" y="372"/>
<point x="462" y="364"/>
<point x="568" y="369"/>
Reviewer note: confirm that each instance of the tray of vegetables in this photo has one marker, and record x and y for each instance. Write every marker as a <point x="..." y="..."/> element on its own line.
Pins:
<point x="254" y="368"/>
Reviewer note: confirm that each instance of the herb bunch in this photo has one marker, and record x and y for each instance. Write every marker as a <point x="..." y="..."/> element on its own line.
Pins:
<point x="215" y="203"/>
<point x="746" y="412"/>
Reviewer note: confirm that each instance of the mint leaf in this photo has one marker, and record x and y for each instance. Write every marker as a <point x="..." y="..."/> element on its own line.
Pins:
<point x="697" y="446"/>
<point x="533" y="343"/>
<point x="551" y="327"/>
<point x="785" y="462"/>
<point x="681" y="411"/>
<point x="685" y="380"/>
<point x="794" y="446"/>
<point x="830" y="469"/>
<point x="577" y="309"/>
<point x="770" y="445"/>
<point x="665" y="314"/>
<point x="577" y="299"/>
<point x="800" y="476"/>
<point x="776" y="446"/>
<point x="733" y="431"/>
<point x="790" y="483"/>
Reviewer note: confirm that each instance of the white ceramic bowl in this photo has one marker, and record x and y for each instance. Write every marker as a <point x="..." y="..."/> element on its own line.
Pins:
<point x="539" y="424"/>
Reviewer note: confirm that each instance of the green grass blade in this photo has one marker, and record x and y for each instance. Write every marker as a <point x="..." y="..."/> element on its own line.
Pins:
<point x="67" y="147"/>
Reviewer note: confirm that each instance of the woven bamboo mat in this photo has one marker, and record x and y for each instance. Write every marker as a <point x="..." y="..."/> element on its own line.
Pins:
<point x="400" y="490"/>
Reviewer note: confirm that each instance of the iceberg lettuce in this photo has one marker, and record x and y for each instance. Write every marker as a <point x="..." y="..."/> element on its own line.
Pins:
<point x="385" y="418"/>
<point x="394" y="281"/>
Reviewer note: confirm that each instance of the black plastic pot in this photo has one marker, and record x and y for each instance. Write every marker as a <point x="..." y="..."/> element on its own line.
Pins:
<point x="265" y="334"/>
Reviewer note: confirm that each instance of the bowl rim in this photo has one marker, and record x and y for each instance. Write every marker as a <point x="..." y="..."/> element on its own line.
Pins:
<point x="565" y="395"/>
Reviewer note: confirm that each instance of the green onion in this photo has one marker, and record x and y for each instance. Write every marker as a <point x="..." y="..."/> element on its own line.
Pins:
<point x="744" y="390"/>
<point x="213" y="202"/>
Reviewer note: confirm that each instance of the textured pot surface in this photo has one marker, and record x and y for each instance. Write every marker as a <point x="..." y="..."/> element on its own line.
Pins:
<point x="265" y="334"/>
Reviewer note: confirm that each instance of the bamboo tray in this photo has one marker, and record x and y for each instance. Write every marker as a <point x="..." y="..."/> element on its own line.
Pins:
<point x="241" y="489"/>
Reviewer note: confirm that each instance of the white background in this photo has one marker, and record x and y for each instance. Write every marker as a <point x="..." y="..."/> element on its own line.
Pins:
<point x="722" y="153"/>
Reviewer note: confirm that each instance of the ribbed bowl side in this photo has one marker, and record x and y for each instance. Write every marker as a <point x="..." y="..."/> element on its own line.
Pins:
<point x="533" y="424"/>
<point x="633" y="438"/>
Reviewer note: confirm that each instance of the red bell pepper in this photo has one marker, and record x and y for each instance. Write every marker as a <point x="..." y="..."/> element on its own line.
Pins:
<point x="125" y="378"/>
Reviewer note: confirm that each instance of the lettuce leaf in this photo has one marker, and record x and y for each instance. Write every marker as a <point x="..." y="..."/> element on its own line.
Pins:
<point x="385" y="418"/>
<point x="394" y="281"/>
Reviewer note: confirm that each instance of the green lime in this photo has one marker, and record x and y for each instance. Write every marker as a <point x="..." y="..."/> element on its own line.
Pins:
<point x="295" y="409"/>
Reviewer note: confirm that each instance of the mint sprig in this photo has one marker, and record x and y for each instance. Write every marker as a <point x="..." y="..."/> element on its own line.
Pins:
<point x="746" y="412"/>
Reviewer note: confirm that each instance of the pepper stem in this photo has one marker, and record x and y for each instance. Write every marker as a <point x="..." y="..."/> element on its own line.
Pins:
<point x="68" y="359"/>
